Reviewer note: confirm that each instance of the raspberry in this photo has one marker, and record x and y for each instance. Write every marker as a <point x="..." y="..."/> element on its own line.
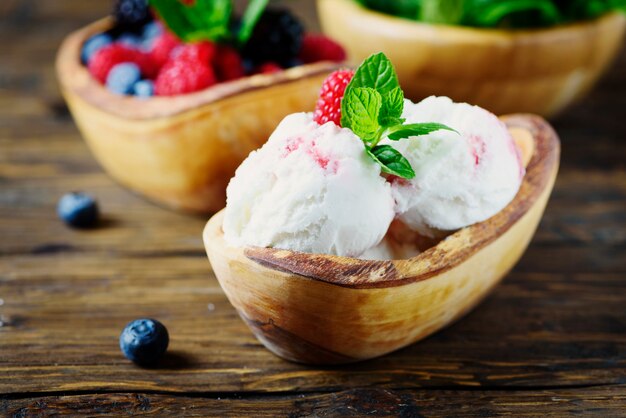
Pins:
<point x="162" y="48"/>
<point x="328" y="108"/>
<point x="183" y="76"/>
<point x="269" y="68"/>
<point x="200" y="51"/>
<point x="108" y="57"/>
<point x="321" y="48"/>
<point x="228" y="64"/>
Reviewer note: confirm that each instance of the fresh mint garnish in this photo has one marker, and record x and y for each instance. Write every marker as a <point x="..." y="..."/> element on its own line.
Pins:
<point x="391" y="161"/>
<point x="208" y="19"/>
<point x="399" y="132"/>
<point x="250" y="18"/>
<point x="372" y="108"/>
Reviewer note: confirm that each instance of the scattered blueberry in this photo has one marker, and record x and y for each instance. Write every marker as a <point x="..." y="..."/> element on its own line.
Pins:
<point x="123" y="77"/>
<point x="78" y="209"/>
<point x="94" y="44"/>
<point x="130" y="40"/>
<point x="144" y="88"/>
<point x="144" y="341"/>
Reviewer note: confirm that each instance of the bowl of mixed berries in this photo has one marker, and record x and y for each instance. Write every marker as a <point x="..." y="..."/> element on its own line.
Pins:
<point x="172" y="95"/>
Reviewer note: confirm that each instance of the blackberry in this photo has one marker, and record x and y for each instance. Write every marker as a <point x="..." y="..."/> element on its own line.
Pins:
<point x="131" y="15"/>
<point x="277" y="37"/>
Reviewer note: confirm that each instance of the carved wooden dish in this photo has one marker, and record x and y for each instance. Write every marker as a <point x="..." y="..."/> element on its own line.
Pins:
<point x="323" y="309"/>
<point x="537" y="71"/>
<point x="181" y="151"/>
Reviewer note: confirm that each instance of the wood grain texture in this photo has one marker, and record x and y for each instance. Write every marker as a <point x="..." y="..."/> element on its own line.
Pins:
<point x="606" y="402"/>
<point x="550" y="340"/>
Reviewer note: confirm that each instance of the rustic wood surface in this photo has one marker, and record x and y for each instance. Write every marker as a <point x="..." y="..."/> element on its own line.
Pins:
<point x="550" y="340"/>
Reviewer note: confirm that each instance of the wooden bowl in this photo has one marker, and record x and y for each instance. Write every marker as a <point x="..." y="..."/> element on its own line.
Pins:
<point x="506" y="71"/>
<point x="181" y="151"/>
<point x="323" y="309"/>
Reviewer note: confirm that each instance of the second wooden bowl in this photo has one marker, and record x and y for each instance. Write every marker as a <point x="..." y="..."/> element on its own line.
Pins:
<point x="323" y="309"/>
<point x="181" y="151"/>
<point x="505" y="71"/>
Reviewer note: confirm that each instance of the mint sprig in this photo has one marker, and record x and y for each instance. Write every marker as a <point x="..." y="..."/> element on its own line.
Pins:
<point x="372" y="107"/>
<point x="208" y="19"/>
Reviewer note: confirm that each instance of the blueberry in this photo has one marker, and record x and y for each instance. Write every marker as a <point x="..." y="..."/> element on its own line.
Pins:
<point x="151" y="31"/>
<point x="293" y="62"/>
<point x="123" y="77"/>
<point x="78" y="209"/>
<point x="149" y="34"/>
<point x="93" y="45"/>
<point x="144" y="341"/>
<point x="130" y="40"/>
<point x="144" y="88"/>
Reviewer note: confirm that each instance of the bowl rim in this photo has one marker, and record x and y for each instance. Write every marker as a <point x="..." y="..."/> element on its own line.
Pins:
<point x="74" y="77"/>
<point x="495" y="34"/>
<point x="357" y="273"/>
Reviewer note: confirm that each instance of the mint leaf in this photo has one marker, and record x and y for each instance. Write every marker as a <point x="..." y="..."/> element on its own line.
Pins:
<point x="391" y="161"/>
<point x="205" y="19"/>
<point x="250" y="18"/>
<point x="391" y="110"/>
<point x="360" y="110"/>
<point x="415" y="129"/>
<point x="173" y="13"/>
<point x="376" y="72"/>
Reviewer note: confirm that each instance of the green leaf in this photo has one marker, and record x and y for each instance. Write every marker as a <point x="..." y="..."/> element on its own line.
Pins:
<point x="204" y="20"/>
<point x="173" y="13"/>
<point x="375" y="72"/>
<point x="391" y="110"/>
<point x="250" y="18"/>
<point x="415" y="129"/>
<point x="442" y="11"/>
<point x="514" y="13"/>
<point x="391" y="161"/>
<point x="359" y="112"/>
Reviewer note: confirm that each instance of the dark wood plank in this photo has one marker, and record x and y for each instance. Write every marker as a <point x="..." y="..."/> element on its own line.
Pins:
<point x="602" y="401"/>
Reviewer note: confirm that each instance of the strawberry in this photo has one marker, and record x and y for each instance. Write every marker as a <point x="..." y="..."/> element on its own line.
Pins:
<point x="328" y="108"/>
<point x="181" y="76"/>
<point x="201" y="51"/>
<point x="162" y="48"/>
<point x="321" y="48"/>
<point x="228" y="64"/>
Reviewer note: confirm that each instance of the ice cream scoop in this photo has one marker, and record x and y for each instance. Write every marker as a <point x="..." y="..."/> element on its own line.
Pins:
<point x="323" y="309"/>
<point x="462" y="177"/>
<point x="310" y="188"/>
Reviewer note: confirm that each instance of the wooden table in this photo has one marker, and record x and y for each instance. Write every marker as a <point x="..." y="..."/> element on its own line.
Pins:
<point x="551" y="339"/>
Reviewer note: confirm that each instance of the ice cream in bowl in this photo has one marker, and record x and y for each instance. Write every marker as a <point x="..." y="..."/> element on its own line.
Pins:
<point x="374" y="222"/>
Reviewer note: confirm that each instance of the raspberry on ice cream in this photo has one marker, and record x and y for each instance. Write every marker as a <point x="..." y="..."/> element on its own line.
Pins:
<point x="461" y="178"/>
<point x="310" y="188"/>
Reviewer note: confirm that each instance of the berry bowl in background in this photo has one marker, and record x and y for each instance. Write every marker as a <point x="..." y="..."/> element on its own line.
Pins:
<point x="323" y="309"/>
<point x="505" y="71"/>
<point x="181" y="151"/>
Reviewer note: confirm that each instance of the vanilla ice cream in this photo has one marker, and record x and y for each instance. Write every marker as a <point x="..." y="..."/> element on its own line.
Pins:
<point x="461" y="178"/>
<point x="310" y="188"/>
